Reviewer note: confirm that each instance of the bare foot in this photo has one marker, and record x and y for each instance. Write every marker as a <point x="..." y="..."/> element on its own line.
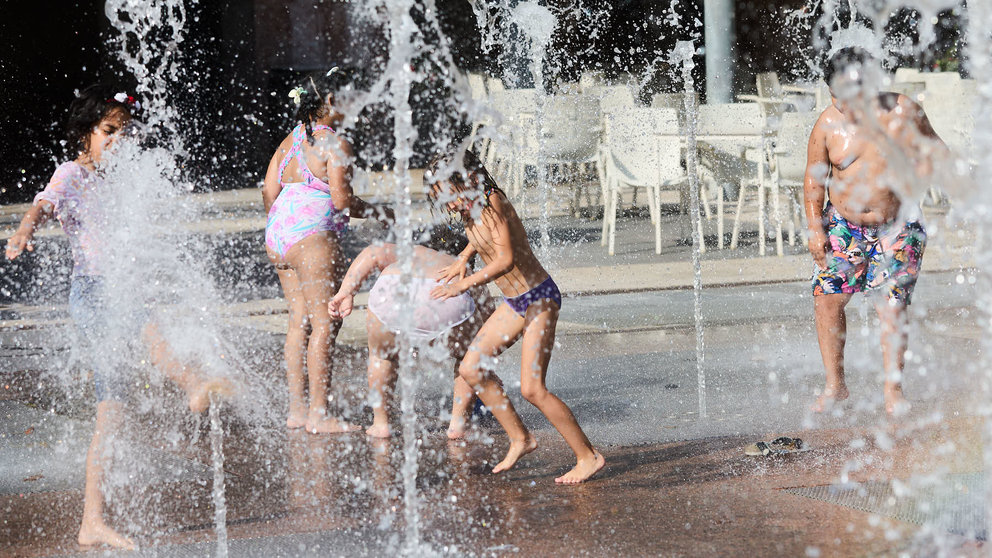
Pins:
<point x="317" y="423"/>
<point x="583" y="469"/>
<point x="199" y="396"/>
<point x="379" y="431"/>
<point x="98" y="533"/>
<point x="297" y="418"/>
<point x="829" y="397"/>
<point x="456" y="429"/>
<point x="895" y="404"/>
<point x="516" y="451"/>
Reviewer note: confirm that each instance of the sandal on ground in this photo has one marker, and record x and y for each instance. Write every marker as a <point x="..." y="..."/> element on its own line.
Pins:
<point x="778" y="446"/>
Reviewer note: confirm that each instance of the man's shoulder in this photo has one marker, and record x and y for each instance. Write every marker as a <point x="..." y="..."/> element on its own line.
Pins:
<point x="828" y="118"/>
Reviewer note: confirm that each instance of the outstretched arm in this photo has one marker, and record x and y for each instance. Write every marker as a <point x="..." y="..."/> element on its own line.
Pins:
<point x="34" y="218"/>
<point x="814" y="191"/>
<point x="370" y="260"/>
<point x="501" y="262"/>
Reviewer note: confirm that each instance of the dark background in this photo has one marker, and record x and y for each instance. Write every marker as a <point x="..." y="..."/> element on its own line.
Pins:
<point x="235" y="72"/>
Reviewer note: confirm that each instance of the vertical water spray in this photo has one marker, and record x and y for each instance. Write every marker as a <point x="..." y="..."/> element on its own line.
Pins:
<point x="218" y="492"/>
<point x="682" y="56"/>
<point x="538" y="24"/>
<point x="400" y="72"/>
<point x="980" y="66"/>
<point x="155" y="268"/>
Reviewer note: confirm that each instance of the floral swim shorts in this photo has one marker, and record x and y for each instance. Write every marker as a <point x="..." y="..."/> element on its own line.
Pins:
<point x="883" y="259"/>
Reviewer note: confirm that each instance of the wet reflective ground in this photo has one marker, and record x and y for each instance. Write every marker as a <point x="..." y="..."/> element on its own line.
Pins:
<point x="674" y="483"/>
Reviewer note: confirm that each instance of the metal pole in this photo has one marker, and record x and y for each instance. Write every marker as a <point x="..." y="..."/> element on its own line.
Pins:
<point x="719" y="37"/>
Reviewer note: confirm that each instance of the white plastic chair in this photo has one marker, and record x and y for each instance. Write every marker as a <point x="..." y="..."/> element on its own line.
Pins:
<point x="613" y="97"/>
<point x="590" y="79"/>
<point x="788" y="167"/>
<point x="731" y="149"/>
<point x="907" y="75"/>
<point x="569" y="137"/>
<point x="477" y="84"/>
<point x="638" y="157"/>
<point x="494" y="85"/>
<point x="516" y="108"/>
<point x="771" y="96"/>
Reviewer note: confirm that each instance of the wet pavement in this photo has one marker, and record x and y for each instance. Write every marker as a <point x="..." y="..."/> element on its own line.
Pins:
<point x="676" y="483"/>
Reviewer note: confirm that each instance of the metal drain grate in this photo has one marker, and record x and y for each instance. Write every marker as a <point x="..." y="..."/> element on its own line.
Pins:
<point x="954" y="503"/>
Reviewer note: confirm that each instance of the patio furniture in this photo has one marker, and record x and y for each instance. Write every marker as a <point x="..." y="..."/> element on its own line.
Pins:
<point x="569" y="134"/>
<point x="612" y="97"/>
<point x="771" y="96"/>
<point x="571" y="129"/>
<point x="477" y="85"/>
<point x="731" y="139"/>
<point x="788" y="170"/>
<point x="516" y="108"/>
<point x="907" y="75"/>
<point x="644" y="150"/>
<point x="494" y="85"/>
<point x="591" y="79"/>
<point x="673" y="101"/>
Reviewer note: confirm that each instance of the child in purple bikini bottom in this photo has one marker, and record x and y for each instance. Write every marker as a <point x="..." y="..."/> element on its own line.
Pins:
<point x="547" y="289"/>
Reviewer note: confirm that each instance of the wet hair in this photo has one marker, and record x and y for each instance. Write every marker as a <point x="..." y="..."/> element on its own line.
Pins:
<point x="316" y="87"/>
<point x="841" y="60"/>
<point x="449" y="239"/>
<point x="441" y="167"/>
<point x="91" y="105"/>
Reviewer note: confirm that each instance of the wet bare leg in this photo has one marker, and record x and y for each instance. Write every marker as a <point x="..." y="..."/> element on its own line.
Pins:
<point x="831" y="332"/>
<point x="198" y="387"/>
<point x="894" y="337"/>
<point x="499" y="332"/>
<point x="538" y="341"/>
<point x="316" y="261"/>
<point x="93" y="530"/>
<point x="382" y="375"/>
<point x="294" y="350"/>
<point x="382" y="378"/>
<point x="461" y="408"/>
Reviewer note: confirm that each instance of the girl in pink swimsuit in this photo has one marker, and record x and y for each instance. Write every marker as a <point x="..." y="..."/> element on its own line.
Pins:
<point x="308" y="198"/>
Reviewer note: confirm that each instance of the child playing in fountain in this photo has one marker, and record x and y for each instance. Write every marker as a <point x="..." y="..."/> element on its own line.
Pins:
<point x="96" y="118"/>
<point x="308" y="199"/>
<point x="452" y="321"/>
<point x="462" y="184"/>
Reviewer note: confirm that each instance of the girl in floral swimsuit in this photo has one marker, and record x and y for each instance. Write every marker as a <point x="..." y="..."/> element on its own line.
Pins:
<point x="308" y="198"/>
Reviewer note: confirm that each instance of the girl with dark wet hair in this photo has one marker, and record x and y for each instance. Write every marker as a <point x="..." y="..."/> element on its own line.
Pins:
<point x="97" y="117"/>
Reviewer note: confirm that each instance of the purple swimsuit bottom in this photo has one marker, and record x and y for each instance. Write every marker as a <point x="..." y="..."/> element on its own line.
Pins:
<point x="546" y="290"/>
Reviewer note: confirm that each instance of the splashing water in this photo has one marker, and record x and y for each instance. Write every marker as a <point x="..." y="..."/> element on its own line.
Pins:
<point x="401" y="52"/>
<point x="980" y="55"/>
<point x="538" y="24"/>
<point x="681" y="56"/>
<point x="217" y="460"/>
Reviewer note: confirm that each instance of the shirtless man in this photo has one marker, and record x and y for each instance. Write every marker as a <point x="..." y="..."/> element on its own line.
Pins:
<point x="859" y="239"/>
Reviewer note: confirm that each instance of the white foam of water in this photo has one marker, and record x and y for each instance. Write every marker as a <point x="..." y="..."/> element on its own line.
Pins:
<point x="536" y="21"/>
<point x="857" y="35"/>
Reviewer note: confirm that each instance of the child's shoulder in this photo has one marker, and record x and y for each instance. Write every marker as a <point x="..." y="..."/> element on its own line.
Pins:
<point x="69" y="170"/>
